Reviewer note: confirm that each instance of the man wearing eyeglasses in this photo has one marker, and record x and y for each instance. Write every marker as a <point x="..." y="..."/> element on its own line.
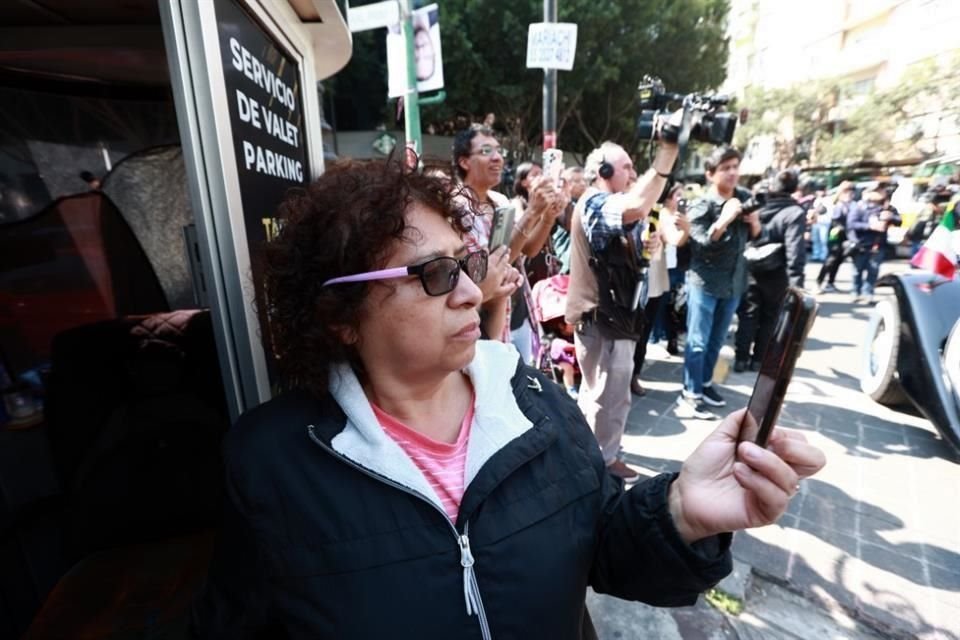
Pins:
<point x="603" y="282"/>
<point x="478" y="164"/>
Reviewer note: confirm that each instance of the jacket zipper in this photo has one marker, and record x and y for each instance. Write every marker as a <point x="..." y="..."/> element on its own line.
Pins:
<point x="471" y="590"/>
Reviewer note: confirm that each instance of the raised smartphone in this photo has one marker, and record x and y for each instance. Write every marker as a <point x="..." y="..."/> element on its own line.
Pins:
<point x="553" y="164"/>
<point x="502" y="226"/>
<point x="794" y="320"/>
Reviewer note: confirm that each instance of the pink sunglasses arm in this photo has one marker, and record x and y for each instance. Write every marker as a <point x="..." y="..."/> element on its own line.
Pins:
<point x="383" y="274"/>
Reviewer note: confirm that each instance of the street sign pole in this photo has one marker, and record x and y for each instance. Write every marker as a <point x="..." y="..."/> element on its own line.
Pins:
<point x="549" y="87"/>
<point x="411" y="99"/>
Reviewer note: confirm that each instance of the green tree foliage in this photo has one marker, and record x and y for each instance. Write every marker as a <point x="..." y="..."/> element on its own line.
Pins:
<point x="829" y="123"/>
<point x="618" y="41"/>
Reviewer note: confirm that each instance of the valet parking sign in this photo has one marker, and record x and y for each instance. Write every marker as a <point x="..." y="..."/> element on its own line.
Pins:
<point x="264" y="97"/>
<point x="266" y="117"/>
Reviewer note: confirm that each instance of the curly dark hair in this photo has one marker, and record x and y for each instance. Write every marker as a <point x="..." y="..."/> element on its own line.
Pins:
<point x="345" y="222"/>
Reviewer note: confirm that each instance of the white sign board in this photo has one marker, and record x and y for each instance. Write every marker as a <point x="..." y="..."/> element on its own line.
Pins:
<point x="373" y="16"/>
<point x="551" y="45"/>
<point x="426" y="54"/>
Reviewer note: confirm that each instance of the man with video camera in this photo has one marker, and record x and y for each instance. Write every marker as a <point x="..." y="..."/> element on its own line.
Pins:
<point x="717" y="278"/>
<point x="604" y="282"/>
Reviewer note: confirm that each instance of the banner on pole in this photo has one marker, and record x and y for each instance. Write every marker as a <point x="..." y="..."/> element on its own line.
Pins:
<point x="426" y="53"/>
<point x="551" y="45"/>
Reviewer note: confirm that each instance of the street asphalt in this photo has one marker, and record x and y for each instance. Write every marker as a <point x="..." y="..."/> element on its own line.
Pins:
<point x="869" y="548"/>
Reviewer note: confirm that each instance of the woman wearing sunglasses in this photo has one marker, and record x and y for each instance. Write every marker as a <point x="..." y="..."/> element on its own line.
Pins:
<point x="416" y="482"/>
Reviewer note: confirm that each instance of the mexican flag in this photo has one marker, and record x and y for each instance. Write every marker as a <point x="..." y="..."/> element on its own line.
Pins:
<point x="939" y="252"/>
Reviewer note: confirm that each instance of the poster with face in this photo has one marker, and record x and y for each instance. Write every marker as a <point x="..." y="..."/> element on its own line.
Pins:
<point x="426" y="52"/>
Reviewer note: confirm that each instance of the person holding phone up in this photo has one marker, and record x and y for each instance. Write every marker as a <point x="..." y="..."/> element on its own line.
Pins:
<point x="412" y="481"/>
<point x="675" y="229"/>
<point x="478" y="165"/>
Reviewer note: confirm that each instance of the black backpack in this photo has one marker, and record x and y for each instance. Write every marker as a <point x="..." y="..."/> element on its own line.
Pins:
<point x="620" y="276"/>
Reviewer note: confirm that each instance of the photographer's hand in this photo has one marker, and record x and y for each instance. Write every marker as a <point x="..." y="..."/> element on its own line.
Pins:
<point x="654" y="245"/>
<point x="752" y="219"/>
<point x="645" y="191"/>
<point x="668" y="128"/>
<point x="731" y="210"/>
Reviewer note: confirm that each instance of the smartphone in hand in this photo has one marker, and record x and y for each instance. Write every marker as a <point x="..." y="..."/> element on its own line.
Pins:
<point x="502" y="226"/>
<point x="794" y="320"/>
<point x="553" y="164"/>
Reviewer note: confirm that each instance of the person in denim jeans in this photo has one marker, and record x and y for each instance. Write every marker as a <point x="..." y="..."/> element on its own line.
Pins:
<point x="867" y="225"/>
<point x="716" y="279"/>
<point x="819" y="218"/>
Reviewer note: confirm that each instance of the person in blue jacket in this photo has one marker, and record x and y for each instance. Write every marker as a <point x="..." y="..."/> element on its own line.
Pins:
<point x="867" y="226"/>
<point x="413" y="481"/>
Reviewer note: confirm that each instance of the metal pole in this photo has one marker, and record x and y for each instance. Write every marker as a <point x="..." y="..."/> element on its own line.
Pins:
<point x="411" y="99"/>
<point x="549" y="87"/>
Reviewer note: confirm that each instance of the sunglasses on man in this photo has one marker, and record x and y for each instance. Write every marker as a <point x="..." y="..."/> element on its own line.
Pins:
<point x="487" y="150"/>
<point x="438" y="276"/>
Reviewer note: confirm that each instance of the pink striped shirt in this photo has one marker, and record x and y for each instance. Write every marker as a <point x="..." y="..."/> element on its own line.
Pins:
<point x="441" y="463"/>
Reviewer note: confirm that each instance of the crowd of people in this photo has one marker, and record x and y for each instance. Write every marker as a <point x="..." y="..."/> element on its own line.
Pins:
<point x="417" y="476"/>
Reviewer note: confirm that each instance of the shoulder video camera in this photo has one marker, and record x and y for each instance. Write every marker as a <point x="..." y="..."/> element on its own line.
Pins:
<point x="703" y="117"/>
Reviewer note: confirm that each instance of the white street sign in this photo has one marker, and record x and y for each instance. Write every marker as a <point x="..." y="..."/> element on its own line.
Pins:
<point x="551" y="45"/>
<point x="373" y="16"/>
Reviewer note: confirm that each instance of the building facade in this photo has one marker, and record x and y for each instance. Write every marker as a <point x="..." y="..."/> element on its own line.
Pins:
<point x="866" y="44"/>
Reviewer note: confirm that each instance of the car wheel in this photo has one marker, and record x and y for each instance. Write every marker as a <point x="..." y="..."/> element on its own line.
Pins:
<point x="878" y="374"/>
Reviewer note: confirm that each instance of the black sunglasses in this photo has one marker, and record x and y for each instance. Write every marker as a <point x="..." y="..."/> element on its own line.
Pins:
<point x="438" y="276"/>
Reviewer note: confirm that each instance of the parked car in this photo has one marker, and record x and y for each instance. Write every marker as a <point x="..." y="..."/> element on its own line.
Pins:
<point x="911" y="353"/>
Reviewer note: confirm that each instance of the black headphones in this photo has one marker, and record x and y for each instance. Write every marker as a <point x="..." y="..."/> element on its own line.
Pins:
<point x="606" y="170"/>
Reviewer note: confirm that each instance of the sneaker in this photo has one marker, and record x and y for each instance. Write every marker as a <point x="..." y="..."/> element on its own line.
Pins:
<point x="828" y="288"/>
<point x="672" y="348"/>
<point x="636" y="387"/>
<point x="620" y="469"/>
<point x="868" y="299"/>
<point x="857" y="300"/>
<point x="693" y="407"/>
<point x="754" y="365"/>
<point x="712" y="398"/>
<point x="739" y="366"/>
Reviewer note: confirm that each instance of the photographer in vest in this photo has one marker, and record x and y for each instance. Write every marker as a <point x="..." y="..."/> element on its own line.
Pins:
<point x="604" y="280"/>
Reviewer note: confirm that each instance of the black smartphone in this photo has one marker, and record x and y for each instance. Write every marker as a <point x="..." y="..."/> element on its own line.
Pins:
<point x="502" y="226"/>
<point x="794" y="320"/>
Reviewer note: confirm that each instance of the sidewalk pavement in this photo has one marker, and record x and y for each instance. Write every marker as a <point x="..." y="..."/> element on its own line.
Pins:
<point x="869" y="548"/>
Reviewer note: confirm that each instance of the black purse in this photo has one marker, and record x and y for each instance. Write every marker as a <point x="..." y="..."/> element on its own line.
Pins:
<point x="766" y="257"/>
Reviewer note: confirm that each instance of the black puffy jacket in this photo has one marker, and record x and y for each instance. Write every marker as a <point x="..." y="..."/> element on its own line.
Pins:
<point x="327" y="535"/>
<point x="783" y="220"/>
